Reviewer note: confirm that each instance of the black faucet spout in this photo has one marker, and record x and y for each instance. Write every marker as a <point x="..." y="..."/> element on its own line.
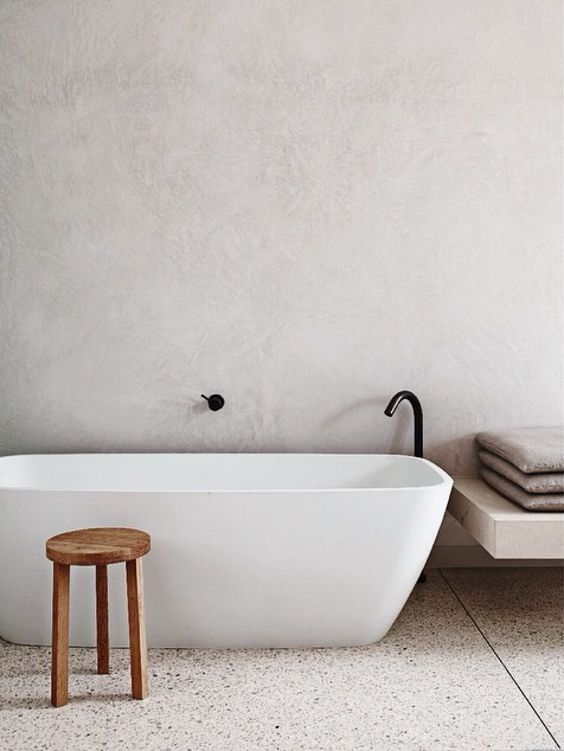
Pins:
<point x="417" y="417"/>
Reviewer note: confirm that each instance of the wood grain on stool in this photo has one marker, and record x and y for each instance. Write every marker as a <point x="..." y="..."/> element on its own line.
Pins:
<point x="60" y="637"/>
<point x="137" y="639"/>
<point x="102" y="624"/>
<point x="99" y="547"/>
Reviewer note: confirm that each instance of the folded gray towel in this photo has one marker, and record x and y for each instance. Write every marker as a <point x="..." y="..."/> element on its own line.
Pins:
<point x="528" y="449"/>
<point x="538" y="482"/>
<point x="529" y="501"/>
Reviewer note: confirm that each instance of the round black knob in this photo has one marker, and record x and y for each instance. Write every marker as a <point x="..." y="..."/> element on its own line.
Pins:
<point x="215" y="401"/>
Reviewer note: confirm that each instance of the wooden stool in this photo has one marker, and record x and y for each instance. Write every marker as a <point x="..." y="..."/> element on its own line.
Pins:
<point x="98" y="547"/>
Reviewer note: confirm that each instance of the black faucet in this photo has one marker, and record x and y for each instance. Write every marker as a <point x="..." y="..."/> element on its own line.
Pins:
<point x="417" y="431"/>
<point x="417" y="417"/>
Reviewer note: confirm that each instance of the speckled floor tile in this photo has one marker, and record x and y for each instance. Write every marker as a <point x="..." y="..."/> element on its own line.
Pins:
<point x="432" y="684"/>
<point x="521" y="612"/>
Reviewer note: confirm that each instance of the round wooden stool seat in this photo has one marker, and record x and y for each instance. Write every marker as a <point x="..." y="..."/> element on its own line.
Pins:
<point x="98" y="546"/>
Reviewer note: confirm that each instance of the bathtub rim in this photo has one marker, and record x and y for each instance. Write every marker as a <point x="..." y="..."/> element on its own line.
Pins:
<point x="443" y="478"/>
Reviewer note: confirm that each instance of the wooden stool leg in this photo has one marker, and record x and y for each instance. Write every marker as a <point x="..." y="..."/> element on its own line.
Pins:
<point x="102" y="636"/>
<point x="137" y="639"/>
<point x="60" y="635"/>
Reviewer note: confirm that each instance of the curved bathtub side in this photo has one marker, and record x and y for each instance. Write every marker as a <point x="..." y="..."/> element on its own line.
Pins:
<point x="420" y="525"/>
<point x="228" y="569"/>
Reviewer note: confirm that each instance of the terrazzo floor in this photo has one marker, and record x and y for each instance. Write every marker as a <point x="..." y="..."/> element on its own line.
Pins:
<point x="475" y="661"/>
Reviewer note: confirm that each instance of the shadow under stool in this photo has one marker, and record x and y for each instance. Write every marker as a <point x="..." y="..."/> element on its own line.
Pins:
<point x="99" y="547"/>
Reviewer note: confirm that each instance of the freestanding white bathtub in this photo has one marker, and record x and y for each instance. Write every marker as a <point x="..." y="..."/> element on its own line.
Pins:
<point x="248" y="550"/>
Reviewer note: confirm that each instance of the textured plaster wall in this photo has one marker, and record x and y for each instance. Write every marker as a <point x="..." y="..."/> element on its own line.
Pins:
<point x="302" y="205"/>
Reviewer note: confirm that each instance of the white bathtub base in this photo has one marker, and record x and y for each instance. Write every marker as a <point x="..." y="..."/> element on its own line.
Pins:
<point x="296" y="568"/>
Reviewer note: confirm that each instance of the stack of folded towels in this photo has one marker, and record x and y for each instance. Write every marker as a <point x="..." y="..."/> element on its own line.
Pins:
<point x="526" y="466"/>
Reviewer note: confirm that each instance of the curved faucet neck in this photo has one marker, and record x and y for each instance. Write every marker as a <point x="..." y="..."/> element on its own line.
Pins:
<point x="417" y="417"/>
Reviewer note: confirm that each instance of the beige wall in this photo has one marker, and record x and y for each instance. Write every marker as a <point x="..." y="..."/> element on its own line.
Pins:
<point x="302" y="205"/>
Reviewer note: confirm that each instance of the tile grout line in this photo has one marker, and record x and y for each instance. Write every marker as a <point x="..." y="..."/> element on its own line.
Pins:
<point x="485" y="638"/>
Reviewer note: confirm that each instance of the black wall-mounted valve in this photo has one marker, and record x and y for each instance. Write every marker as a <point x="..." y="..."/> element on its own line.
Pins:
<point x="215" y="401"/>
